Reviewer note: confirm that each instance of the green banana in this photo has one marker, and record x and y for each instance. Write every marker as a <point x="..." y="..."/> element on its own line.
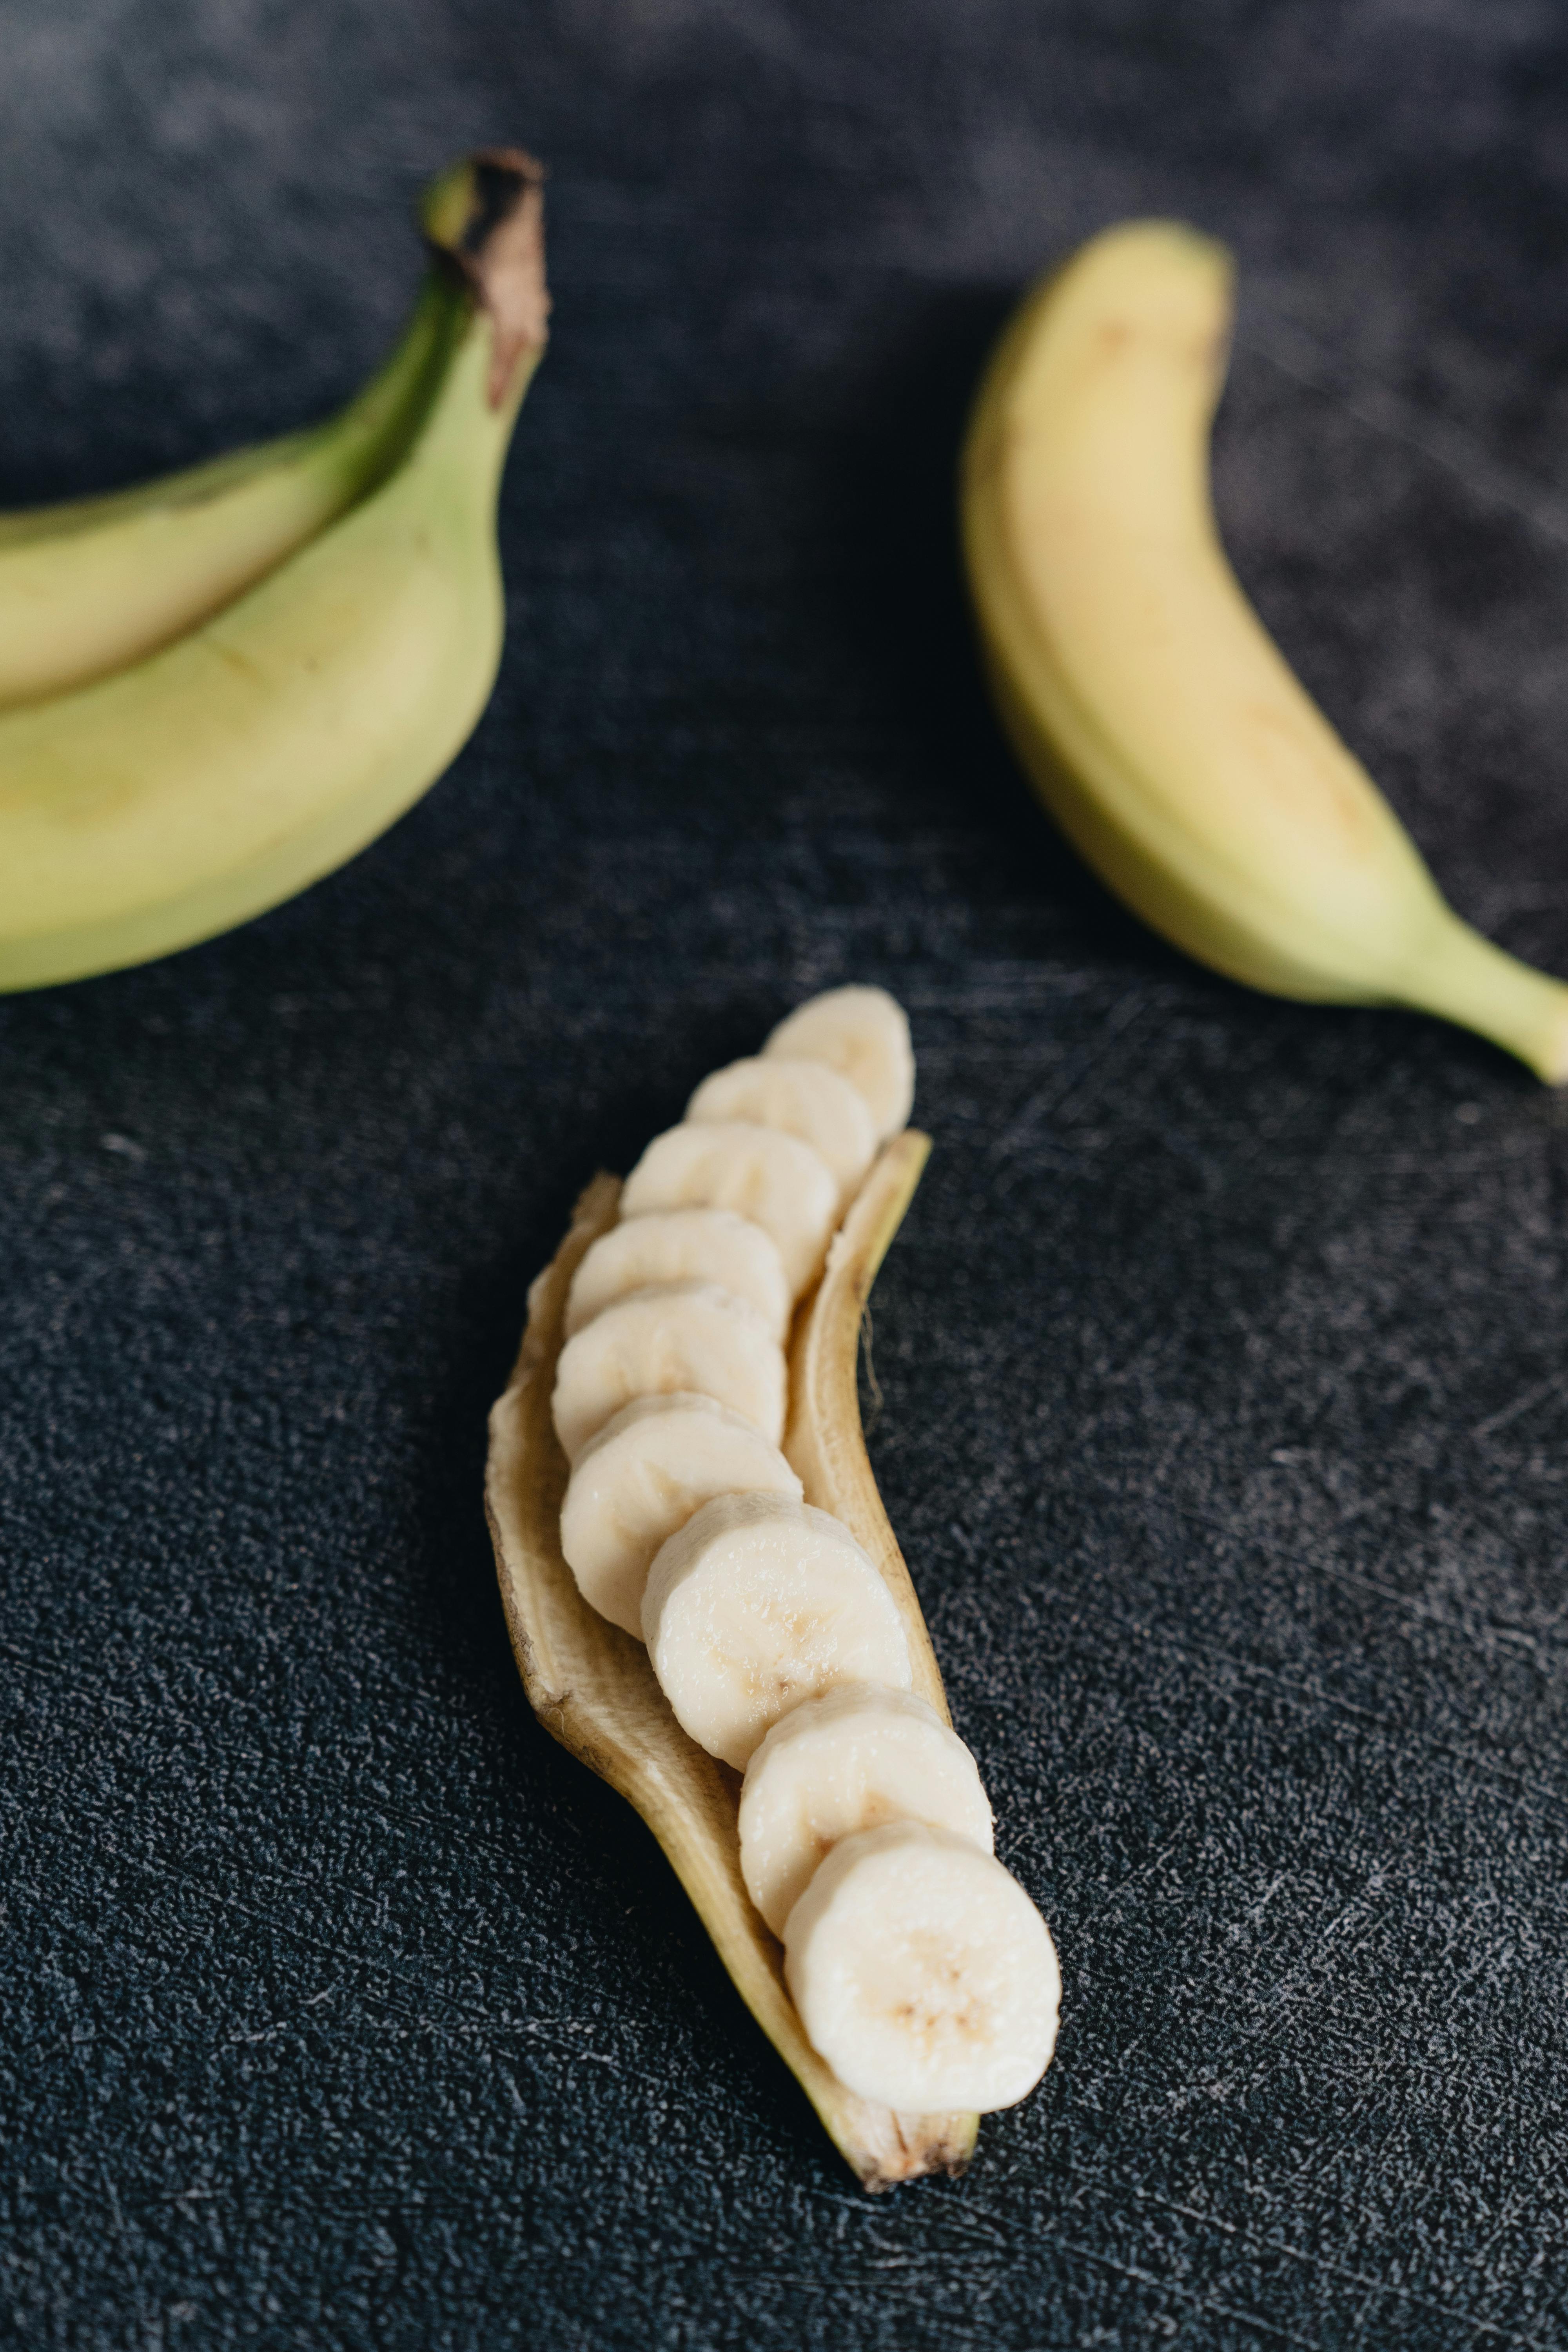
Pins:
<point x="172" y="800"/>
<point x="93" y="585"/>
<point x="1152" y="712"/>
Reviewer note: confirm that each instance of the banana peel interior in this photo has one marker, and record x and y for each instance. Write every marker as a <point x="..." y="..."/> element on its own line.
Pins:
<point x="593" y="1687"/>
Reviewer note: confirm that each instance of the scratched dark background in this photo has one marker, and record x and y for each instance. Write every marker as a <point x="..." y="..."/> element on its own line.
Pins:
<point x="1223" y="1360"/>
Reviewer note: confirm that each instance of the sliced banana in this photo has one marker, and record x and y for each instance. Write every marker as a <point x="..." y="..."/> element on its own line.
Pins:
<point x="673" y="1335"/>
<point x="849" y="1760"/>
<point x="804" y="1099"/>
<point x="775" y="1180"/>
<point x="863" y="1033"/>
<point x="683" y="1246"/>
<point x="642" y="1477"/>
<point x="758" y="1603"/>
<point x="922" y="1972"/>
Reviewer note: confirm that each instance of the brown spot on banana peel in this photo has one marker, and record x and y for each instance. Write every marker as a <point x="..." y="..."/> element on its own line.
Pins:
<point x="593" y="1689"/>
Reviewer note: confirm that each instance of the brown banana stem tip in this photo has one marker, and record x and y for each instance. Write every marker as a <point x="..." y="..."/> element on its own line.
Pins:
<point x="484" y="218"/>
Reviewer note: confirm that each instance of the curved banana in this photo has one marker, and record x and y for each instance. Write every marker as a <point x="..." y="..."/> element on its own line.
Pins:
<point x="93" y="585"/>
<point x="172" y="799"/>
<point x="1152" y="712"/>
<point x="593" y="1686"/>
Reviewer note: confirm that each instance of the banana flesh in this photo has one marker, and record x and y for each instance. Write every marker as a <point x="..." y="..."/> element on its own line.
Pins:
<point x="775" y="1180"/>
<point x="673" y="1336"/>
<point x="864" y="1033"/>
<point x="683" y="1246"/>
<point x="922" y="1971"/>
<point x="93" y="586"/>
<point x="645" y="1475"/>
<point x="1152" y="711"/>
<point x="853" y="1759"/>
<point x="171" y="800"/>
<point x="805" y="1098"/>
<point x="595" y="1689"/>
<point x="757" y="1603"/>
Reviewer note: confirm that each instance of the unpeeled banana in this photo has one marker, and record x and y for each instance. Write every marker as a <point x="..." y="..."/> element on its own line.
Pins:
<point x="171" y="799"/>
<point x="1150" y="710"/>
<point x="92" y="587"/>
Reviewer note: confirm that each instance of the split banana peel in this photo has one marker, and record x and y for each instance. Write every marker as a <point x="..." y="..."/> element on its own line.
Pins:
<point x="164" y="802"/>
<point x="592" y="1685"/>
<point x="1150" y="710"/>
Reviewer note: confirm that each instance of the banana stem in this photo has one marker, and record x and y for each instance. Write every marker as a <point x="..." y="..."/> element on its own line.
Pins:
<point x="1466" y="980"/>
<point x="372" y="436"/>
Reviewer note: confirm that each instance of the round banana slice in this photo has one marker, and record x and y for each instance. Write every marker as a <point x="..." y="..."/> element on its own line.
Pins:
<point x="759" y="1602"/>
<point x="863" y="1033"/>
<point x="777" y="1180"/>
<point x="673" y="1335"/>
<point x="683" y="1246"/>
<point x="849" y="1760"/>
<point x="922" y="1972"/>
<point x="804" y="1099"/>
<point x="642" y="1477"/>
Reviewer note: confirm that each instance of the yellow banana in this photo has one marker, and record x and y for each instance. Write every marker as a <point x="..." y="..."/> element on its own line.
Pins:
<point x="174" y="799"/>
<point x="1152" y="712"/>
<point x="93" y="585"/>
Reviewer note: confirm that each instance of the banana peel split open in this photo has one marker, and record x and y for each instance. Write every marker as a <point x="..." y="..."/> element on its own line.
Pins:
<point x="592" y="1685"/>
<point x="1150" y="710"/>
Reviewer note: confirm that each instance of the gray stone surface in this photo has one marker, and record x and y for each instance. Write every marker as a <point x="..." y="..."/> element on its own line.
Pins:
<point x="1224" y="1392"/>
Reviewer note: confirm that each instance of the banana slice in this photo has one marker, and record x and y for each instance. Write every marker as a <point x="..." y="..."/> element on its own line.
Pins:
<point x="683" y="1246"/>
<point x="863" y="1033"/>
<point x="759" y="1602"/>
<point x="643" y="1477"/>
<point x="775" y="1180"/>
<point x="673" y="1335"/>
<point x="849" y="1760"/>
<point x="922" y="1972"/>
<point x="804" y="1099"/>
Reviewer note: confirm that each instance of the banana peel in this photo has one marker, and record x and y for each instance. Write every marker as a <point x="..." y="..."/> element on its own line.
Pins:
<point x="593" y="1688"/>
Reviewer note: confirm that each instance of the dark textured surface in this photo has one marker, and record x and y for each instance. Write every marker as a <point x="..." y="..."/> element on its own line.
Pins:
<point x="1223" y="1356"/>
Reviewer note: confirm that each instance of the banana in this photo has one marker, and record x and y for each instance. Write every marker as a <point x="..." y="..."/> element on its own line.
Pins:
<point x="1152" y="711"/>
<point x="757" y="1603"/>
<point x="97" y="584"/>
<point x="672" y="1336"/>
<point x="683" y="1246"/>
<point x="638" y="1482"/>
<point x="775" y="1180"/>
<point x="174" y="799"/>
<point x="595" y="1690"/>
<point x="864" y="1035"/>
<point x="855" y="1758"/>
<point x="922" y="1972"/>
<point x="804" y="1099"/>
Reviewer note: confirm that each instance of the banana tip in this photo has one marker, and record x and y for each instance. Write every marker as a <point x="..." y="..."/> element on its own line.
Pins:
<point x="485" y="217"/>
